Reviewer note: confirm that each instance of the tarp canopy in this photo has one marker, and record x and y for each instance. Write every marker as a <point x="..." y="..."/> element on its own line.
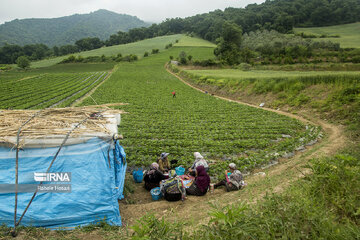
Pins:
<point x="94" y="168"/>
<point x="97" y="177"/>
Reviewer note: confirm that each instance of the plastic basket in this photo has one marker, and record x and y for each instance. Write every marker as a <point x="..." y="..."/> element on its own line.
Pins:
<point x="138" y="175"/>
<point x="155" y="194"/>
<point x="180" y="171"/>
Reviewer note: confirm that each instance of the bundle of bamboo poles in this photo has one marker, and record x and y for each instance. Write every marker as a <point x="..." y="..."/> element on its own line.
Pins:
<point x="55" y="121"/>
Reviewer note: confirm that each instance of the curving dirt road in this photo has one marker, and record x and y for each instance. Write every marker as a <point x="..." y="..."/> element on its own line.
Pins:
<point x="195" y="209"/>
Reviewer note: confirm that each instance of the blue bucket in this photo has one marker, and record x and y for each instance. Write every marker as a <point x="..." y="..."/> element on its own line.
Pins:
<point x="155" y="194"/>
<point x="138" y="175"/>
<point x="180" y="171"/>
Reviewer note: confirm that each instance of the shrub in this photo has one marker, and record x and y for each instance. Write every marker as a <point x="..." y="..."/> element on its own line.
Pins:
<point x="23" y="62"/>
<point x="155" y="51"/>
<point x="244" y="66"/>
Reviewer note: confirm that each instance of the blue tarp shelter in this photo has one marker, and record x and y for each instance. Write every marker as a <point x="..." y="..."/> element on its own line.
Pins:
<point x="92" y="165"/>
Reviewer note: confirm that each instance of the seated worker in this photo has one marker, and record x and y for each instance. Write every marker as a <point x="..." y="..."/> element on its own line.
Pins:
<point x="173" y="188"/>
<point x="201" y="182"/>
<point x="163" y="162"/>
<point x="234" y="179"/>
<point x="153" y="177"/>
<point x="199" y="161"/>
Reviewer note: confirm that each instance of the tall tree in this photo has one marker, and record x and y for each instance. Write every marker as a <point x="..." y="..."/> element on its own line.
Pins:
<point x="228" y="45"/>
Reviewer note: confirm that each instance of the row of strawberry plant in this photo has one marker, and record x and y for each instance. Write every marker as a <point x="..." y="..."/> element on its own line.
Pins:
<point x="193" y="121"/>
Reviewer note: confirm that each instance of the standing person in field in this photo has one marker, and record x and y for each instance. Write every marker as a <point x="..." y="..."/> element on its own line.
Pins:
<point x="163" y="161"/>
<point x="174" y="94"/>
<point x="201" y="182"/>
<point x="199" y="161"/>
<point x="233" y="179"/>
<point x="153" y="177"/>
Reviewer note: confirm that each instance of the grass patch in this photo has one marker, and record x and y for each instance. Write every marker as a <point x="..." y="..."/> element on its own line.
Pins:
<point x="349" y="34"/>
<point x="187" y="41"/>
<point x="259" y="74"/>
<point x="137" y="48"/>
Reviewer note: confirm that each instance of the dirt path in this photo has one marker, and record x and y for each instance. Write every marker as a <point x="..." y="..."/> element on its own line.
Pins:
<point x="195" y="209"/>
<point x="80" y="100"/>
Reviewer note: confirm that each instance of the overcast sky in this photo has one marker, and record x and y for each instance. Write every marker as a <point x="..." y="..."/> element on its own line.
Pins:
<point x="147" y="10"/>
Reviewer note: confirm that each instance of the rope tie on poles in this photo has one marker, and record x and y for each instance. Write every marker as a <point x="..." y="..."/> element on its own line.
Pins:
<point x="13" y="233"/>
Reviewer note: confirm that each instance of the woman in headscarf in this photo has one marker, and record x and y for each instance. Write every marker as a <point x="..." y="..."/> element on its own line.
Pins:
<point x="233" y="179"/>
<point x="153" y="177"/>
<point x="163" y="161"/>
<point x="201" y="182"/>
<point x="199" y="161"/>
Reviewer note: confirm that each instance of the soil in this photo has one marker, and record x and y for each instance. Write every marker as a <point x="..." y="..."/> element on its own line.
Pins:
<point x="194" y="210"/>
<point x="80" y="100"/>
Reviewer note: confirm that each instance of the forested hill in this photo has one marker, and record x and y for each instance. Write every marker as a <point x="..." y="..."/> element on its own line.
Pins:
<point x="279" y="15"/>
<point x="67" y="30"/>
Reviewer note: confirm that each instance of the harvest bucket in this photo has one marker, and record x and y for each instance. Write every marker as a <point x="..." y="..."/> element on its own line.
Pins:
<point x="155" y="194"/>
<point x="138" y="175"/>
<point x="180" y="171"/>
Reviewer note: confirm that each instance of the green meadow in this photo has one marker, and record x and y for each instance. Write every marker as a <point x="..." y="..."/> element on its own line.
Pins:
<point x="349" y="34"/>
<point x="137" y="48"/>
<point x="267" y="74"/>
<point x="187" y="41"/>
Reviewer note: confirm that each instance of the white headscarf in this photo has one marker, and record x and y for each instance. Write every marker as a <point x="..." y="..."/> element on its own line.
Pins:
<point x="200" y="160"/>
<point x="198" y="156"/>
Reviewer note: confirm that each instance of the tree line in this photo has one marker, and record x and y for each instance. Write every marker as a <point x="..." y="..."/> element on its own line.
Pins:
<point x="279" y="15"/>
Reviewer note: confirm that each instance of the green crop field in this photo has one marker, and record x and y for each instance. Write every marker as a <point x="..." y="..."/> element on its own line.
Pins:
<point x="259" y="74"/>
<point x="137" y="48"/>
<point x="349" y="34"/>
<point x="47" y="89"/>
<point x="193" y="121"/>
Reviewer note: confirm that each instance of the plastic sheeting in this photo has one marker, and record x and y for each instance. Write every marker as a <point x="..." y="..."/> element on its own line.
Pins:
<point x="97" y="170"/>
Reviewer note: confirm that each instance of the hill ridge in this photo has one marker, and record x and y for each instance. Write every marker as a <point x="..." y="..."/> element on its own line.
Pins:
<point x="67" y="29"/>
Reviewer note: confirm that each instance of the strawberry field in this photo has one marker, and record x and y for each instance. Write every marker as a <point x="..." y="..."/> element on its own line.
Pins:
<point x="193" y="121"/>
<point x="47" y="90"/>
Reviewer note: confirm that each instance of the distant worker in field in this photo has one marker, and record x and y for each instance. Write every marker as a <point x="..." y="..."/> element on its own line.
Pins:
<point x="163" y="161"/>
<point x="233" y="179"/>
<point x="199" y="161"/>
<point x="153" y="177"/>
<point x="174" y="94"/>
<point x="201" y="182"/>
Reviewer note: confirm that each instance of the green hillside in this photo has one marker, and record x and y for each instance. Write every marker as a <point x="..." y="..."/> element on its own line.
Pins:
<point x="67" y="30"/>
<point x="349" y="34"/>
<point x="137" y="48"/>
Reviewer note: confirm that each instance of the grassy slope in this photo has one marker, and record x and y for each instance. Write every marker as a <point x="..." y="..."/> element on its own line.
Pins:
<point x="349" y="34"/>
<point x="187" y="41"/>
<point x="137" y="48"/>
<point x="258" y="74"/>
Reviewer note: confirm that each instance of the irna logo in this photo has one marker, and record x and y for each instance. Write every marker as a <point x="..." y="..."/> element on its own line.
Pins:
<point x="52" y="177"/>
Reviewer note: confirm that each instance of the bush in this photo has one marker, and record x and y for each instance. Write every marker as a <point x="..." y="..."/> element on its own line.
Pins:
<point x="146" y="54"/>
<point x="130" y="58"/>
<point x="23" y="62"/>
<point x="244" y="66"/>
<point x="155" y="51"/>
